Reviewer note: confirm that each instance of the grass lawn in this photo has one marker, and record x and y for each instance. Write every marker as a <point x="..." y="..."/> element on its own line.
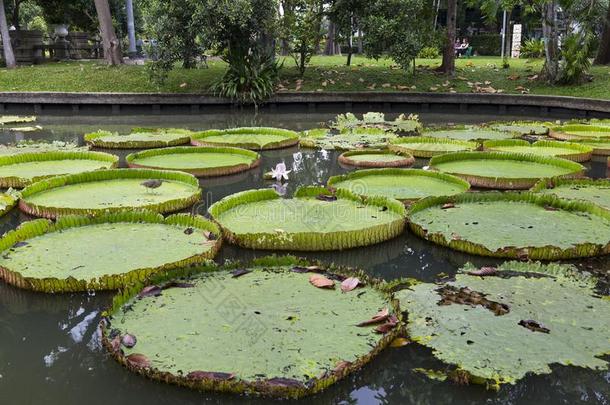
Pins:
<point x="326" y="73"/>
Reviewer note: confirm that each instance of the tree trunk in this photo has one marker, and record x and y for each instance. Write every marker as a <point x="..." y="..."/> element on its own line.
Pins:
<point x="603" y="53"/>
<point x="9" y="56"/>
<point x="330" y="48"/>
<point x="15" y="16"/>
<point x="131" y="28"/>
<point x="551" y="41"/>
<point x="448" y="65"/>
<point x="112" y="46"/>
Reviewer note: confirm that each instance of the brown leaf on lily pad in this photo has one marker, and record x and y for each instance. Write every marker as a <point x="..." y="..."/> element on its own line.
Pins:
<point x="447" y="206"/>
<point x="210" y="375"/>
<point x="138" y="360"/>
<point x="178" y="284"/>
<point x="391" y="322"/>
<point x="150" y="291"/>
<point x="210" y="235"/>
<point x="550" y="208"/>
<point x="284" y="382"/>
<point x="320" y="281"/>
<point x="377" y="318"/>
<point x="116" y="344"/>
<point x="484" y="271"/>
<point x="327" y="198"/>
<point x="534" y="326"/>
<point x="129" y="341"/>
<point x="239" y="272"/>
<point x="349" y="284"/>
<point x="189" y="231"/>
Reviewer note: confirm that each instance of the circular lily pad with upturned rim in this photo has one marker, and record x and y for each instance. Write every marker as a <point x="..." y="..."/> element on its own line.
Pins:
<point x="601" y="147"/>
<point x="23" y="169"/>
<point x="512" y="171"/>
<point x="565" y="150"/>
<point x="406" y="185"/>
<point x="295" y="339"/>
<point x="139" y="138"/>
<point x="594" y="191"/>
<point x="313" y="220"/>
<point x="513" y="225"/>
<point x="104" y="191"/>
<point x="536" y="128"/>
<point x="198" y="161"/>
<point x="571" y="132"/>
<point x="376" y="158"/>
<point x="79" y="253"/>
<point x="466" y="133"/>
<point x="254" y="138"/>
<point x="426" y="147"/>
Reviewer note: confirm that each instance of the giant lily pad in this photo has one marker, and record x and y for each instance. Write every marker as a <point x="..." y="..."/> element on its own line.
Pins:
<point x="513" y="225"/>
<point x="521" y="127"/>
<point x="103" y="191"/>
<point x="23" y="169"/>
<point x="313" y="220"/>
<point x="403" y="125"/>
<point x="263" y="329"/>
<point x="601" y="147"/>
<point x="33" y="147"/>
<point x="426" y="147"/>
<point x="106" y="252"/>
<point x="352" y="139"/>
<point x="578" y="131"/>
<point x="139" y="138"/>
<point x="504" y="170"/>
<point x="518" y="320"/>
<point x="595" y="191"/>
<point x="571" y="151"/>
<point x="15" y="119"/>
<point x="8" y="200"/>
<point x="469" y="133"/>
<point x="247" y="138"/>
<point x="376" y="158"/>
<point x="402" y="184"/>
<point x="199" y="161"/>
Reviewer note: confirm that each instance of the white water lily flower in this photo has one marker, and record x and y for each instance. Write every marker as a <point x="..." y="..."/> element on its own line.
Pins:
<point x="280" y="173"/>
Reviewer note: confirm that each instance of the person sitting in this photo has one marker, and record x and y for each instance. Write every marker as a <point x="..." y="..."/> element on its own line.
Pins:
<point x="457" y="46"/>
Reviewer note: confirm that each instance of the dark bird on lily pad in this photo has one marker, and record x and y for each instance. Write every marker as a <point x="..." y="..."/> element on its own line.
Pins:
<point x="152" y="184"/>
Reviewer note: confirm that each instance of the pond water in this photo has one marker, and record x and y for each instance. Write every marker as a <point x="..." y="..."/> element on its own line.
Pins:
<point x="49" y="348"/>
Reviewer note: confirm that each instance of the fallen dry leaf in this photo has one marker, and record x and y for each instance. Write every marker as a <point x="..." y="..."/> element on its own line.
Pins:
<point x="513" y="77"/>
<point x="210" y="375"/>
<point x="138" y="360"/>
<point x="377" y="318"/>
<point x="349" y="284"/>
<point x="320" y="281"/>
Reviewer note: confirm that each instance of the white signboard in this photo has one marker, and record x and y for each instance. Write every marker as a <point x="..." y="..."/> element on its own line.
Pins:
<point x="516" y="42"/>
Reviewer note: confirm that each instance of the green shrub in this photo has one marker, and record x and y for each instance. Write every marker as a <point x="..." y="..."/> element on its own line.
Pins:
<point x="575" y="62"/>
<point x="487" y="44"/>
<point x="429" y="52"/>
<point x="533" y="48"/>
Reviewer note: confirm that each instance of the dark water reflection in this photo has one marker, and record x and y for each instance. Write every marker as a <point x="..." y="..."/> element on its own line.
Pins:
<point x="50" y="353"/>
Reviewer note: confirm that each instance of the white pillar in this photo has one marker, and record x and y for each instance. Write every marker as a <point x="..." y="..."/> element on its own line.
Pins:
<point x="131" y="28"/>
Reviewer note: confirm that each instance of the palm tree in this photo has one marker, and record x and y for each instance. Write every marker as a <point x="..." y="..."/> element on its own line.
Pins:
<point x="9" y="56"/>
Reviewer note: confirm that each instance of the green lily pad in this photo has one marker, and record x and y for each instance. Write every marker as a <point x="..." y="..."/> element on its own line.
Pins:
<point x="313" y="220"/>
<point x="505" y="170"/>
<point x="103" y="191"/>
<point x="7" y="202"/>
<point x="23" y="169"/>
<point x="248" y="138"/>
<point x="469" y="133"/>
<point x="198" y="161"/>
<point x="551" y="315"/>
<point x="139" y="138"/>
<point x="105" y="252"/>
<point x="595" y="191"/>
<point x="34" y="147"/>
<point x="355" y="139"/>
<point x="294" y="339"/>
<point x="376" y="158"/>
<point x="521" y="127"/>
<point x="600" y="147"/>
<point x="402" y="184"/>
<point x="580" y="131"/>
<point x="571" y="151"/>
<point x="15" y="119"/>
<point x="513" y="225"/>
<point x="403" y="125"/>
<point x="426" y="147"/>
